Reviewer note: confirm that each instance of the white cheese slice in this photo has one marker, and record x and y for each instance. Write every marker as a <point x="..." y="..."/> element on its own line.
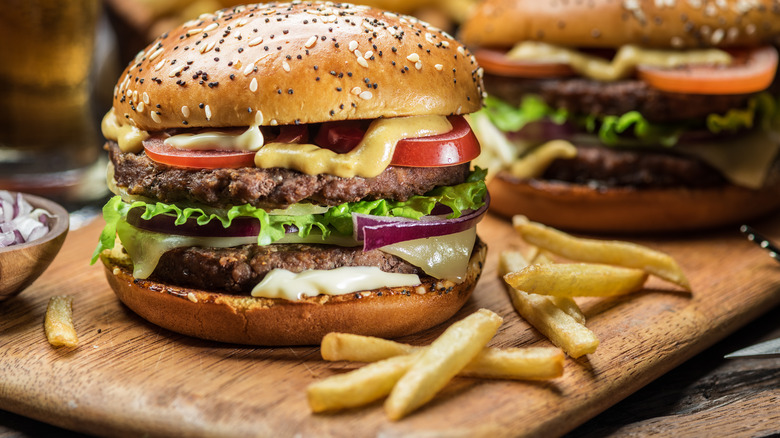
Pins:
<point x="281" y="283"/>
<point x="745" y="161"/>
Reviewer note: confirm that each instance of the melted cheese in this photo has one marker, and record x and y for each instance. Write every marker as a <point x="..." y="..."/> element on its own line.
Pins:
<point x="368" y="159"/>
<point x="442" y="257"/>
<point x="127" y="136"/>
<point x="745" y="161"/>
<point x="534" y="163"/>
<point x="251" y="140"/>
<point x="281" y="283"/>
<point x="622" y="65"/>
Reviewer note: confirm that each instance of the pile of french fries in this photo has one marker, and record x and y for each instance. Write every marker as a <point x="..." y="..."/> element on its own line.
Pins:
<point x="410" y="376"/>
<point x="542" y="291"/>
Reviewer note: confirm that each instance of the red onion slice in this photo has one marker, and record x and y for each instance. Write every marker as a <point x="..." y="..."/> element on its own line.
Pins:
<point x="19" y="221"/>
<point x="378" y="231"/>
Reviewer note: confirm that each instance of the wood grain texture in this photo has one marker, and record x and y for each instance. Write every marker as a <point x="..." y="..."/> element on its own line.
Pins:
<point x="129" y="377"/>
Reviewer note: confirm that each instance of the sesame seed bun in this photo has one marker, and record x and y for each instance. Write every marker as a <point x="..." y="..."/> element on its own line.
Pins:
<point x="302" y="63"/>
<point x="610" y="23"/>
<point x="384" y="312"/>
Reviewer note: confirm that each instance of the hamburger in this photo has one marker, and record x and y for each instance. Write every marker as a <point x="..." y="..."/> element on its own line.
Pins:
<point x="665" y="112"/>
<point x="286" y="170"/>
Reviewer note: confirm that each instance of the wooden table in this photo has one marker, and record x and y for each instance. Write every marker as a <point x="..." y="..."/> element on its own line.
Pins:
<point x="734" y="282"/>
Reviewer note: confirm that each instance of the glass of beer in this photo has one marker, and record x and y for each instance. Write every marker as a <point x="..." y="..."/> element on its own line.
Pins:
<point x="49" y="128"/>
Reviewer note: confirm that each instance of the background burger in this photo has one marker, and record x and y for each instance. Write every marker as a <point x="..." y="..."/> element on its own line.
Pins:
<point x="666" y="105"/>
<point x="286" y="170"/>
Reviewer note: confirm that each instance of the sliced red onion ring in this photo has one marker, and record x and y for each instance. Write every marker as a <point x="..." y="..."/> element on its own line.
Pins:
<point x="378" y="231"/>
<point x="19" y="221"/>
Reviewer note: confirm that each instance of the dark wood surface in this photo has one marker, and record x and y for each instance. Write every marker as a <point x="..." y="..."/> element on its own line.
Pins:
<point x="706" y="395"/>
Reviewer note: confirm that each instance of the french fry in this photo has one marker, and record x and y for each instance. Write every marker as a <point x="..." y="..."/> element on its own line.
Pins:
<point x="440" y="362"/>
<point x="535" y="162"/>
<point x="624" y="254"/>
<point x="358" y="387"/>
<point x="555" y="324"/>
<point x="58" y="323"/>
<point x="492" y="363"/>
<point x="541" y="312"/>
<point x="577" y="280"/>
<point x="357" y="348"/>
<point x="567" y="304"/>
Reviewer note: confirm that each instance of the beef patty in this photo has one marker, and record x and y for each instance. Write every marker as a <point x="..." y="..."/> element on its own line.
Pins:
<point x="641" y="168"/>
<point x="271" y="188"/>
<point x="239" y="269"/>
<point x="589" y="96"/>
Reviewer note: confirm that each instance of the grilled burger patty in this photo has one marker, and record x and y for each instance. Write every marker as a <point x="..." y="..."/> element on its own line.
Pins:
<point x="239" y="269"/>
<point x="641" y="168"/>
<point x="271" y="188"/>
<point x="588" y="96"/>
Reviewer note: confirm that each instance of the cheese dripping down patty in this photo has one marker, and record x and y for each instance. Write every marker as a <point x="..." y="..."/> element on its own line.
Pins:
<point x="368" y="159"/>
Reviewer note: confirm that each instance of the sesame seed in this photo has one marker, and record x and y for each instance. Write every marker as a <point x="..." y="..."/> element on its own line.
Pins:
<point x="155" y="54"/>
<point x="146" y="98"/>
<point x="366" y="95"/>
<point x="211" y="27"/>
<point x="413" y="57"/>
<point x="208" y="112"/>
<point x="362" y="61"/>
<point x="353" y="45"/>
<point x="176" y="71"/>
<point x="438" y="67"/>
<point x="311" y="41"/>
<point x="368" y="54"/>
<point x="418" y="65"/>
<point x="185" y="111"/>
<point x="355" y="91"/>
<point x="255" y="41"/>
<point x="155" y="117"/>
<point x="285" y="66"/>
<point x="140" y="107"/>
<point x="253" y="85"/>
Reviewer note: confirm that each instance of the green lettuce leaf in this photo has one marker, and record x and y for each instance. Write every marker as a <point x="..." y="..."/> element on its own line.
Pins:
<point x="469" y="195"/>
<point x="762" y="110"/>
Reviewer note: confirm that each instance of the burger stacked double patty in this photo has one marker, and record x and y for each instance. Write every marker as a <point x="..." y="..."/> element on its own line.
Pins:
<point x="655" y="98"/>
<point x="299" y="141"/>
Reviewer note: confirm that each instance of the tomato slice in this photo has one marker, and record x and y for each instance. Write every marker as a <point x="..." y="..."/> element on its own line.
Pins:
<point x="497" y="63"/>
<point x="158" y="151"/>
<point x="752" y="71"/>
<point x="341" y="137"/>
<point x="457" y="146"/>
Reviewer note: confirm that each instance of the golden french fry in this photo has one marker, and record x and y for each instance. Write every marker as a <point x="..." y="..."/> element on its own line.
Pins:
<point x="577" y="280"/>
<point x="440" y="362"/>
<point x="540" y="311"/>
<point x="567" y="304"/>
<point x="509" y="363"/>
<point x="618" y="253"/>
<point x="357" y="348"/>
<point x="58" y="323"/>
<point x="558" y="326"/>
<point x="358" y="387"/>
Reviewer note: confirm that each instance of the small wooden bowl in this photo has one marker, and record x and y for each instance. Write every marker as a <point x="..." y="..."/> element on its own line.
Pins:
<point x="21" y="264"/>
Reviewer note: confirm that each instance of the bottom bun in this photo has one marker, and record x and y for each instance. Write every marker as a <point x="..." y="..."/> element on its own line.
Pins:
<point x="626" y="210"/>
<point x="385" y="312"/>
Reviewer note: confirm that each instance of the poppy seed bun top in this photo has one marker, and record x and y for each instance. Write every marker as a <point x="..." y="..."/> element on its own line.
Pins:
<point x="611" y="23"/>
<point x="296" y="63"/>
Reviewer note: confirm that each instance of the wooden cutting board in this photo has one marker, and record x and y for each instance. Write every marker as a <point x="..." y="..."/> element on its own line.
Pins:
<point x="129" y="377"/>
